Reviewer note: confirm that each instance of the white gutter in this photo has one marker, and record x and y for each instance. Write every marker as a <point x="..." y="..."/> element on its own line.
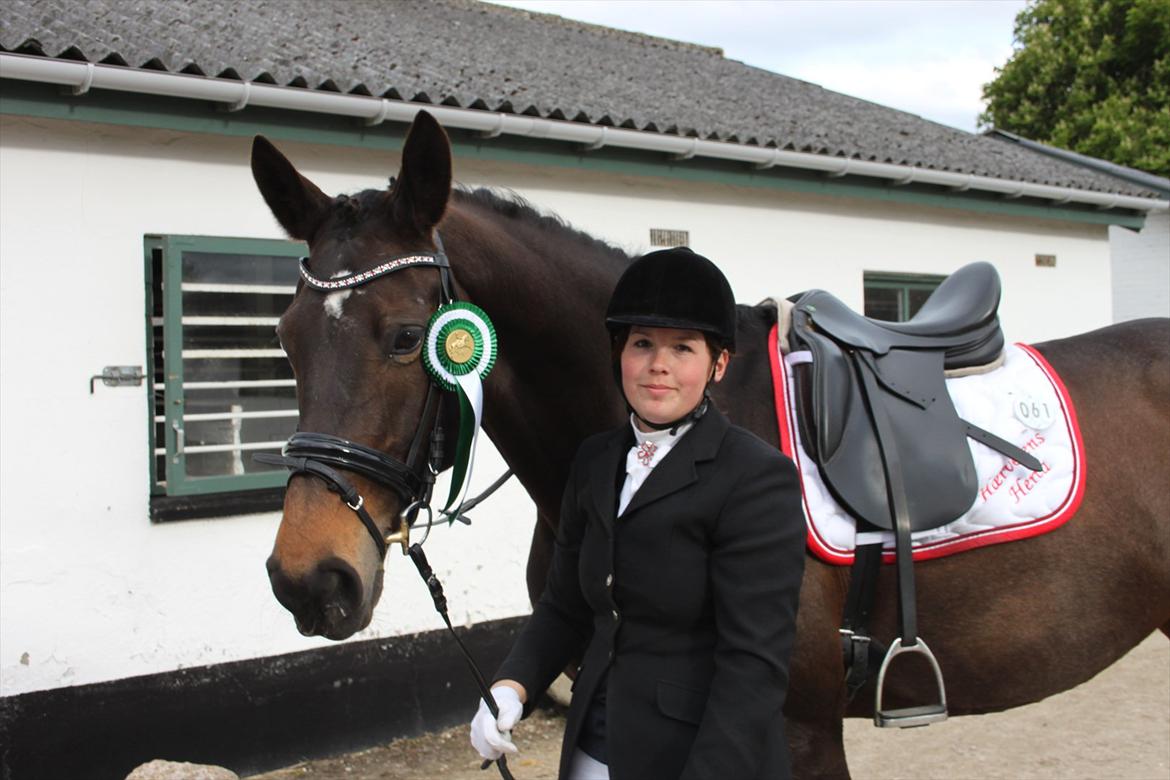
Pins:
<point x="235" y="95"/>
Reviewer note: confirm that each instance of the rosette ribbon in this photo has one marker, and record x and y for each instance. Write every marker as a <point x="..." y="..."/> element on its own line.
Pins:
<point x="459" y="352"/>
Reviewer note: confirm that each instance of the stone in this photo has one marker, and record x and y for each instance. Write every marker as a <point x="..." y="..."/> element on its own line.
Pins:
<point x="177" y="770"/>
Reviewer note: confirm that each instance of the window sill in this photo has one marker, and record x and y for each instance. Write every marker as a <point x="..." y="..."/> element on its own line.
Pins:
<point x="165" y="509"/>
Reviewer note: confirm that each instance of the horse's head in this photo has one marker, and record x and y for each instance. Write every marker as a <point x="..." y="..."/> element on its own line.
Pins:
<point x="355" y="354"/>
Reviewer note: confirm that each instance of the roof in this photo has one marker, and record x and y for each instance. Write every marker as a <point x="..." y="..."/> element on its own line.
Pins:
<point x="1158" y="184"/>
<point x="482" y="56"/>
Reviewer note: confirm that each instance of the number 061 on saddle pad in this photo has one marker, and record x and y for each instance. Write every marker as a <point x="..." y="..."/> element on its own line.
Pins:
<point x="1022" y="401"/>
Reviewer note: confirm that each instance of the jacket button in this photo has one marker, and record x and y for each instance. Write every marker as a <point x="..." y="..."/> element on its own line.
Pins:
<point x="616" y="616"/>
<point x="608" y="580"/>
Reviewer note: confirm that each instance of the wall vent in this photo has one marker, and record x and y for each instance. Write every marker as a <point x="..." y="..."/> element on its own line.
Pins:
<point x="1046" y="261"/>
<point x="663" y="237"/>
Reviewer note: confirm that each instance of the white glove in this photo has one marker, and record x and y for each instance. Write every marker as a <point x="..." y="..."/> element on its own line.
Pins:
<point x="492" y="737"/>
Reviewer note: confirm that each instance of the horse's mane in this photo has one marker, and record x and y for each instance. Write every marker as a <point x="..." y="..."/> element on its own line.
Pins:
<point x="512" y="206"/>
<point x="544" y="227"/>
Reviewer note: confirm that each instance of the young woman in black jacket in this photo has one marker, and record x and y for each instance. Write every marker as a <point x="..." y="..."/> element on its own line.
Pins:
<point x="677" y="564"/>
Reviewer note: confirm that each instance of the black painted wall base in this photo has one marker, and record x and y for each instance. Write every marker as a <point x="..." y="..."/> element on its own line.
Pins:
<point x="251" y="716"/>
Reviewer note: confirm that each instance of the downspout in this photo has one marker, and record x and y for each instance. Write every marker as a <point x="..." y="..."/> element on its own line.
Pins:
<point x="235" y="95"/>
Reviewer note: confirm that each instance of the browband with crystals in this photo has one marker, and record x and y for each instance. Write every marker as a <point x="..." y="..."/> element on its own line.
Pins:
<point x="436" y="259"/>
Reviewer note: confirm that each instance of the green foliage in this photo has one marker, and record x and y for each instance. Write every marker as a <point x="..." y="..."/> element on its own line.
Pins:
<point x="1092" y="76"/>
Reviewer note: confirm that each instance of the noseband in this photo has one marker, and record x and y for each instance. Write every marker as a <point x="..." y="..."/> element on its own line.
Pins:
<point x="325" y="457"/>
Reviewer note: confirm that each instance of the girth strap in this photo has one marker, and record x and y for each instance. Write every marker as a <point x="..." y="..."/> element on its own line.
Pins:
<point x="863" y="654"/>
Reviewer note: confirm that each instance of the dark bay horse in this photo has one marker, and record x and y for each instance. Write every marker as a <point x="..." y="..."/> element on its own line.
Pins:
<point x="1010" y="623"/>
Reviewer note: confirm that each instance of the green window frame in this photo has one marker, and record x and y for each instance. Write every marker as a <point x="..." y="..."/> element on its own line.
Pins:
<point x="219" y="386"/>
<point x="896" y="297"/>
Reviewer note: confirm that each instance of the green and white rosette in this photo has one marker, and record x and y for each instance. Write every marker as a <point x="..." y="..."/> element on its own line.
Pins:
<point x="459" y="352"/>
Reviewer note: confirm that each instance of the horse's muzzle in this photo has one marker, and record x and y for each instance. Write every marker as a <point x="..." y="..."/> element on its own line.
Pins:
<point x="328" y="601"/>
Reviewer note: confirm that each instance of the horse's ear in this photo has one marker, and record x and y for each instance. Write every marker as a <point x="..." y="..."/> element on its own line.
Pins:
<point x="295" y="201"/>
<point x="423" y="185"/>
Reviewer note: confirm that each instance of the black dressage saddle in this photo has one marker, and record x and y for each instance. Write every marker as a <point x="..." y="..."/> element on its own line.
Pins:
<point x="876" y="417"/>
<point x="904" y="362"/>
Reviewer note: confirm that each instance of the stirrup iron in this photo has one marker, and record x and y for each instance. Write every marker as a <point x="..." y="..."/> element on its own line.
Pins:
<point x="909" y="717"/>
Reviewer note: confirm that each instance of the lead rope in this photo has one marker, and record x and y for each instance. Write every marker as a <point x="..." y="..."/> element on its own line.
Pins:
<point x="436" y="589"/>
<point x="415" y="551"/>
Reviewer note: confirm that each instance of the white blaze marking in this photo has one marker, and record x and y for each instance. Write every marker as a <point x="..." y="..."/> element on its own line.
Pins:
<point x="335" y="301"/>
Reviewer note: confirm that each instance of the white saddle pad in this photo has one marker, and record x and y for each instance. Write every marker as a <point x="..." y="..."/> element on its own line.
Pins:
<point x="1024" y="402"/>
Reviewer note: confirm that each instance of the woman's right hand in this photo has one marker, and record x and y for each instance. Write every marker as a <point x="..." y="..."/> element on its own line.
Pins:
<point x="492" y="737"/>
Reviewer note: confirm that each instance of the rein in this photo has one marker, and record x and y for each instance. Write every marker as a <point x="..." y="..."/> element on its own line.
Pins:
<point x="322" y="455"/>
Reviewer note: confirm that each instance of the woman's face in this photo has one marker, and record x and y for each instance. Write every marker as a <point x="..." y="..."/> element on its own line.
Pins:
<point x="664" y="371"/>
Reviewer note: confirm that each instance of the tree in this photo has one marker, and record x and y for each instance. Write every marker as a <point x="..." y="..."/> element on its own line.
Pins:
<point x="1092" y="76"/>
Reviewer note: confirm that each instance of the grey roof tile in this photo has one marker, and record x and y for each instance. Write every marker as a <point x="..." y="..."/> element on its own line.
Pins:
<point x="470" y="54"/>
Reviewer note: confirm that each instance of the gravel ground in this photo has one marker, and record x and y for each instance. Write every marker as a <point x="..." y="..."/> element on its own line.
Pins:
<point x="1115" y="726"/>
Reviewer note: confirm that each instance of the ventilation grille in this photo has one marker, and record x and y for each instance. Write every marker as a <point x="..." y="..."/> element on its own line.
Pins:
<point x="663" y="237"/>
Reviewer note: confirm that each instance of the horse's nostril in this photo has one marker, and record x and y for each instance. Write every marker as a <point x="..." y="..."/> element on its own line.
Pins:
<point x="286" y="590"/>
<point x="335" y="584"/>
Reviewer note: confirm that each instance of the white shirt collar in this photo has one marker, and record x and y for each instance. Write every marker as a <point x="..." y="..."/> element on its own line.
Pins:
<point x="659" y="437"/>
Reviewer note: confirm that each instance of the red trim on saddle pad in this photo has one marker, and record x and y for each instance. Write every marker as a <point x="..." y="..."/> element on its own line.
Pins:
<point x="1010" y="531"/>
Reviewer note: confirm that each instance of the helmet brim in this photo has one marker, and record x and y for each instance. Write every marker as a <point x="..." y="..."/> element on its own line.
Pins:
<point x="616" y="321"/>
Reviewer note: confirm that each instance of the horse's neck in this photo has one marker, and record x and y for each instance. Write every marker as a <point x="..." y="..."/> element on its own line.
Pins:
<point x="552" y="384"/>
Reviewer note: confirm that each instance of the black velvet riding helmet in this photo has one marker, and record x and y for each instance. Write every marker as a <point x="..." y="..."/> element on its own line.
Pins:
<point x="674" y="288"/>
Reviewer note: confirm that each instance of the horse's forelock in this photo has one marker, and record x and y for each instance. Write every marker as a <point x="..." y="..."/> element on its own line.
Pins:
<point x="360" y="206"/>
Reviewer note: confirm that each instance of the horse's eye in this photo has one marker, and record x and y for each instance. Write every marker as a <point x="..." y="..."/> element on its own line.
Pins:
<point x="406" y="340"/>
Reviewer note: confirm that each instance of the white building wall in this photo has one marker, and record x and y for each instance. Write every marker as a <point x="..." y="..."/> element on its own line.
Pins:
<point x="90" y="590"/>
<point x="1141" y="269"/>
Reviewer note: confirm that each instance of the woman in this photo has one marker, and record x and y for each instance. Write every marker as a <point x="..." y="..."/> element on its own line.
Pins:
<point x="677" y="563"/>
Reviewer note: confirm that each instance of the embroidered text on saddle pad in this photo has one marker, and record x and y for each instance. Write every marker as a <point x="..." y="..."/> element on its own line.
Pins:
<point x="1022" y="401"/>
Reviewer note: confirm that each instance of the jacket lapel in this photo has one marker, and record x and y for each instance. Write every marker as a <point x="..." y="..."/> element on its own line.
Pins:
<point x="603" y="474"/>
<point x="677" y="470"/>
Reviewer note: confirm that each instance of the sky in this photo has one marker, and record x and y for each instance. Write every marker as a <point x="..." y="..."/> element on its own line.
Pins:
<point x="928" y="57"/>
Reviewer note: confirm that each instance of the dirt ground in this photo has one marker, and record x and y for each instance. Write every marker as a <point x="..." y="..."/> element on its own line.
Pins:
<point x="1115" y="727"/>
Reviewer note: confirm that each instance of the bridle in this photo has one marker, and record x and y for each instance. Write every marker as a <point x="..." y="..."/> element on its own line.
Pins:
<point x="325" y="456"/>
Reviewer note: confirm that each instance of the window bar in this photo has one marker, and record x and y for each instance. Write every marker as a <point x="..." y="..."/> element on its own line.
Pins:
<point x="221" y="321"/>
<point x="213" y="354"/>
<point x="239" y="383"/>
<point x="248" y="289"/>
<point x="194" y="449"/>
<point x="241" y="415"/>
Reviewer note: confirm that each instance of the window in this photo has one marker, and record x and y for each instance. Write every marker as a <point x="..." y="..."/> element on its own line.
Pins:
<point x="221" y="387"/>
<point x="897" y="297"/>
